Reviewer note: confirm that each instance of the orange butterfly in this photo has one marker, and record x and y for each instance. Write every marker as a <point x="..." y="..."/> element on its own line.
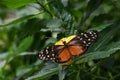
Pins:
<point x="65" y="49"/>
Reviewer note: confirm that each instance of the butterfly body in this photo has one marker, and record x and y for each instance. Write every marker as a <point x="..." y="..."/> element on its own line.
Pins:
<point x="65" y="49"/>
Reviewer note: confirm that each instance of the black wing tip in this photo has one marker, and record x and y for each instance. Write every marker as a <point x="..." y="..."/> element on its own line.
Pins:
<point x="94" y="31"/>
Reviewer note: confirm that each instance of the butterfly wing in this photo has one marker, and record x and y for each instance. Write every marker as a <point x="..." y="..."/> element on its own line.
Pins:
<point x="63" y="56"/>
<point x="47" y="54"/>
<point x="80" y="43"/>
<point x="51" y="54"/>
<point x="76" y="50"/>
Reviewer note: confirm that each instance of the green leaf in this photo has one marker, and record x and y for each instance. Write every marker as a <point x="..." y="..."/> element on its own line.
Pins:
<point x="112" y="48"/>
<point x="25" y="44"/>
<point x="20" y="20"/>
<point x="43" y="75"/>
<point x="27" y="69"/>
<point x="22" y="70"/>
<point x="3" y="56"/>
<point x="27" y="53"/>
<point x="2" y="64"/>
<point x="52" y="24"/>
<point x="101" y="27"/>
<point x="16" y="3"/>
<point x="50" y="41"/>
<point x="62" y="72"/>
<point x="105" y="36"/>
<point x="92" y="6"/>
<point x="47" y="71"/>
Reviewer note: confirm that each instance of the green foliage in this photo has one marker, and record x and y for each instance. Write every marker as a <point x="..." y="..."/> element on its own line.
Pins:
<point x="45" y="72"/>
<point x="35" y="24"/>
<point x="15" y="4"/>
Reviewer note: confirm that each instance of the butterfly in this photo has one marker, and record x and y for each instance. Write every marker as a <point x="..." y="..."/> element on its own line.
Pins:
<point x="67" y="48"/>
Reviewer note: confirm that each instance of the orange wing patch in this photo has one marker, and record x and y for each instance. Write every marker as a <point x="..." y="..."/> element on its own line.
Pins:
<point x="76" y="50"/>
<point x="64" y="56"/>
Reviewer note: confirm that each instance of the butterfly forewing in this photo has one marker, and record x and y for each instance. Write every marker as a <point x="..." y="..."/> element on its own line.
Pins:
<point x="80" y="43"/>
<point x="84" y="39"/>
<point x="77" y="50"/>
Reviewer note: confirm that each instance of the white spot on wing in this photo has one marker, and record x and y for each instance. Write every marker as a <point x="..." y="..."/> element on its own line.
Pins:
<point x="81" y="39"/>
<point x="53" y="54"/>
<point x="85" y="35"/>
<point x="84" y="42"/>
<point x="89" y="39"/>
<point x="48" y="56"/>
<point x="81" y="33"/>
<point x="44" y="58"/>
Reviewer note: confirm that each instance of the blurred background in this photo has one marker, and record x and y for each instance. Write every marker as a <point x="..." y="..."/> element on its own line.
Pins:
<point x="27" y="26"/>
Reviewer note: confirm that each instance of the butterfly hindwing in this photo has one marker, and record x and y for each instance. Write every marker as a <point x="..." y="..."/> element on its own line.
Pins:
<point x="50" y="53"/>
<point x="47" y="54"/>
<point x="63" y="56"/>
